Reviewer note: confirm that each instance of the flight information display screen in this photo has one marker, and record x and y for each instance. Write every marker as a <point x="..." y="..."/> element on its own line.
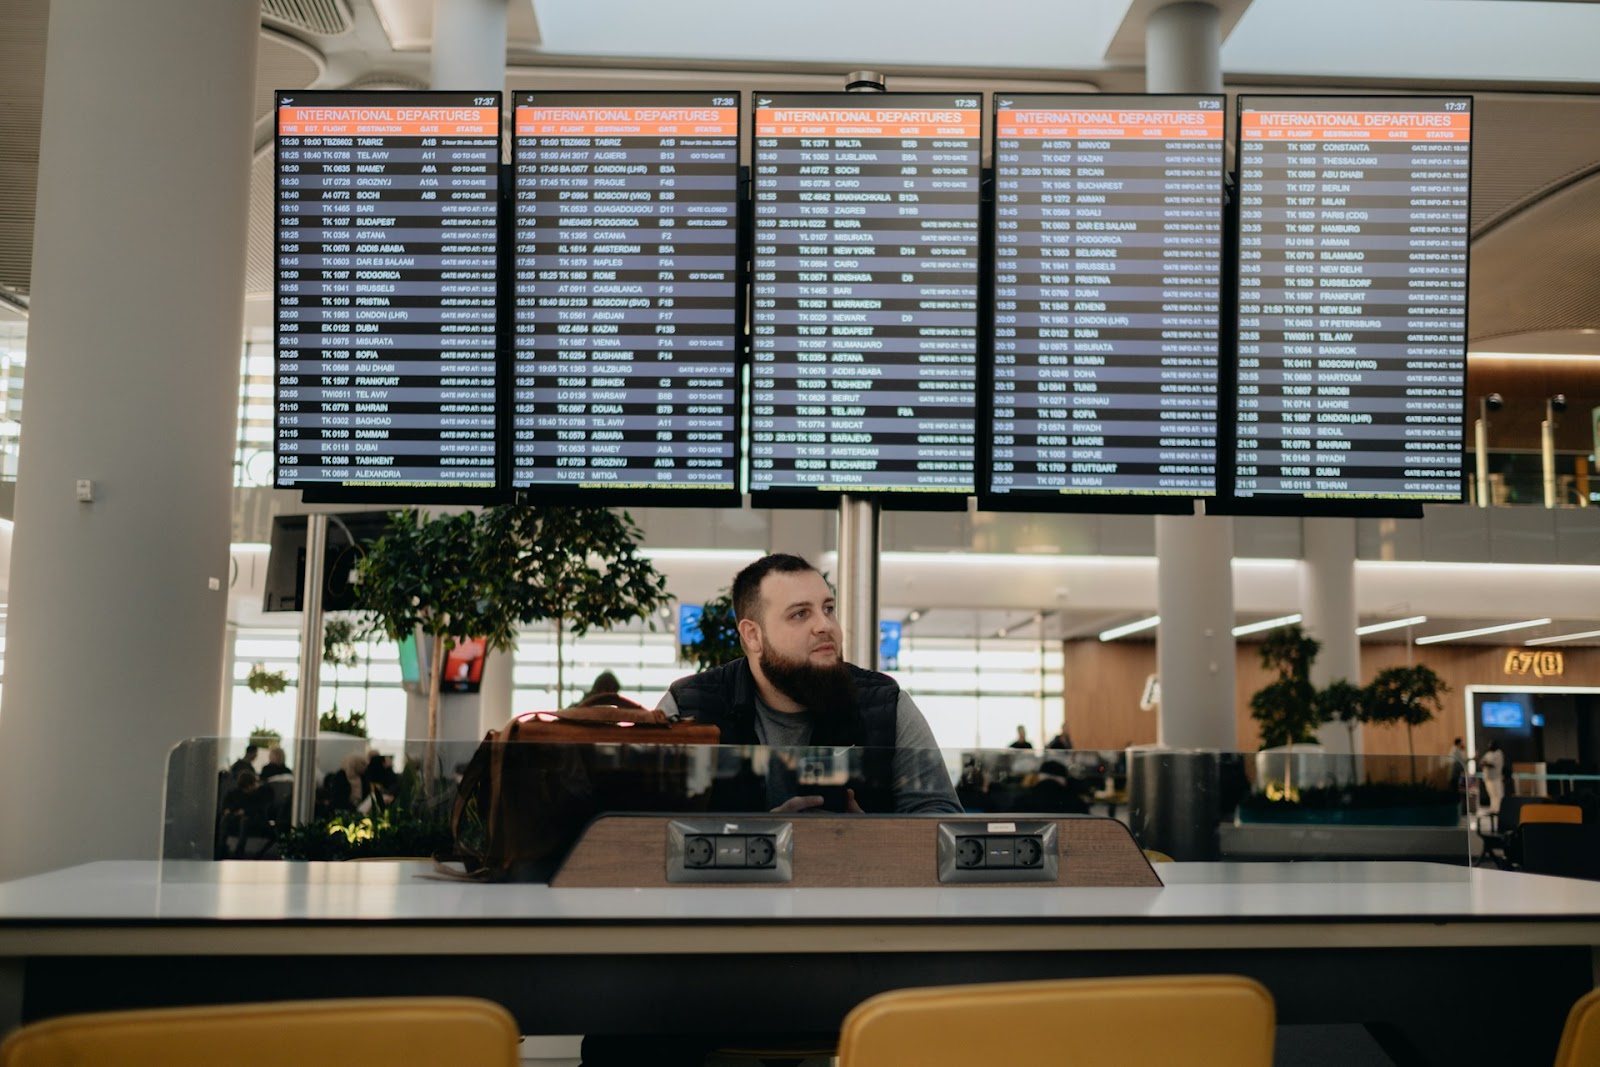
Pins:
<point x="627" y="294"/>
<point x="1353" y="234"/>
<point x="386" y="264"/>
<point x="865" y="293"/>
<point x="1108" y="274"/>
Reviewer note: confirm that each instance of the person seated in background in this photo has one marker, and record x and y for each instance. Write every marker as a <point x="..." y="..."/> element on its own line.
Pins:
<point x="1053" y="791"/>
<point x="344" y="787"/>
<point x="247" y="762"/>
<point x="277" y="763"/>
<point x="605" y="684"/>
<point x="1022" y="739"/>
<point x="793" y="689"/>
<point x="1062" y="740"/>
<point x="379" y="780"/>
<point x="246" y="810"/>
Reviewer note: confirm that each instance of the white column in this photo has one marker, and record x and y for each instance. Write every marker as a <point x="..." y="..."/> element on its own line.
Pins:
<point x="495" y="706"/>
<point x="1194" y="647"/>
<point x="1328" y="610"/>
<point x="117" y="610"/>
<point x="1194" y="582"/>
<point x="469" y="44"/>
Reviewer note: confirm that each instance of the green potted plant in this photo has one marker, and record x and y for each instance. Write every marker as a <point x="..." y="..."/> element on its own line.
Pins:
<point x="268" y="683"/>
<point x="351" y="725"/>
<point x="264" y="737"/>
<point x="450" y="577"/>
<point x="1346" y="703"/>
<point x="719" y="635"/>
<point x="1287" y="708"/>
<point x="581" y="569"/>
<point x="1405" y="694"/>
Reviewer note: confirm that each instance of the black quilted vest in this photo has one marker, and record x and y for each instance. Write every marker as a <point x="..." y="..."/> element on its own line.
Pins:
<point x="725" y="697"/>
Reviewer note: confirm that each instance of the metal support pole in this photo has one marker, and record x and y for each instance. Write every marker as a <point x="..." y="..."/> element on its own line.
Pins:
<point x="1480" y="442"/>
<point x="858" y="521"/>
<point x="305" y="730"/>
<point x="1547" y="453"/>
<point x="858" y="580"/>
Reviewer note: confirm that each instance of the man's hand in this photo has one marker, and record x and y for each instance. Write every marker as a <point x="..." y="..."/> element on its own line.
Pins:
<point x="813" y="802"/>
<point x="794" y="804"/>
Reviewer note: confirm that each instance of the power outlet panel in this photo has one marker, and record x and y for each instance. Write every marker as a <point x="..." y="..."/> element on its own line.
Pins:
<point x="708" y="850"/>
<point x="978" y="853"/>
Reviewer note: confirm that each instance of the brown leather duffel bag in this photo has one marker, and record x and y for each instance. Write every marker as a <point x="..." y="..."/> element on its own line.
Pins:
<point x="532" y="786"/>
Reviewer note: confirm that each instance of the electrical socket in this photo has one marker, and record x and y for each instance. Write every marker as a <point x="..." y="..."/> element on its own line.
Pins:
<point x="750" y="850"/>
<point x="998" y="852"/>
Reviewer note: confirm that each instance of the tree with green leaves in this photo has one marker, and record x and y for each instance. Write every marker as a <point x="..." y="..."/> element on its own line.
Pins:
<point x="1406" y="694"/>
<point x="719" y="635"/>
<point x="1344" y="702"/>
<point x="452" y="577"/>
<point x="1287" y="709"/>
<point x="579" y="567"/>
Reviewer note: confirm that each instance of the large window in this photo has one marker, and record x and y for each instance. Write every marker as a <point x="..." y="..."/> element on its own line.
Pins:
<point x="973" y="692"/>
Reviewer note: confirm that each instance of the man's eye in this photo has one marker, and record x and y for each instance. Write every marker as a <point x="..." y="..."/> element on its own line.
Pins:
<point x="828" y="611"/>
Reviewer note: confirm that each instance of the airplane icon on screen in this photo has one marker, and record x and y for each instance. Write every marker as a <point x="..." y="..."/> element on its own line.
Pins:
<point x="1003" y="103"/>
<point x="765" y="101"/>
<point x="285" y="101"/>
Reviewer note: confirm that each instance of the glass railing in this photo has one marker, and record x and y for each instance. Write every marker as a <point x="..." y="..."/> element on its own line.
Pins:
<point x="372" y="799"/>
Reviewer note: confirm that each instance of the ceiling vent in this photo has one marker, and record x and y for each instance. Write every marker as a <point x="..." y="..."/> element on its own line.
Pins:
<point x="325" y="18"/>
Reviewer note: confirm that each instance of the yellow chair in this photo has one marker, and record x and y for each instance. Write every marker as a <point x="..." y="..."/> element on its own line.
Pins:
<point x="1186" y="1021"/>
<point x="1558" y="813"/>
<point x="424" y="1031"/>
<point x="1580" y="1038"/>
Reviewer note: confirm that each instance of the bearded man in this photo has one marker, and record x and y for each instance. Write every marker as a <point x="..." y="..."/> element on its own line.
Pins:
<point x="793" y="689"/>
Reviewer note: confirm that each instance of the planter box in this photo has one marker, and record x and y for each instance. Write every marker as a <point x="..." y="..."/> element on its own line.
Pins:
<point x="1399" y="815"/>
<point x="1283" y="842"/>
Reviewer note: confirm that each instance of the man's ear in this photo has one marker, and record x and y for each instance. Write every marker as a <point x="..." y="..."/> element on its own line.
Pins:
<point x="750" y="637"/>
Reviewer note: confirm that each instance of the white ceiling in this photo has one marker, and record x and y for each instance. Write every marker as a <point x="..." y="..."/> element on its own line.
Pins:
<point x="1476" y="40"/>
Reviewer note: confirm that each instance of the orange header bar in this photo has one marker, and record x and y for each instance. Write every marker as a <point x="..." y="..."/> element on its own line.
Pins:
<point x="867" y="122"/>
<point x="627" y="121"/>
<point x="1115" y="125"/>
<point x="389" y="121"/>
<point x="1356" y="125"/>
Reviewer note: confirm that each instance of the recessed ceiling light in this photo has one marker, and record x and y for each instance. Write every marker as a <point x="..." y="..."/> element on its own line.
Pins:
<point x="1393" y="624"/>
<point x="1268" y="624"/>
<point x="1480" y="632"/>
<point x="1561" y="637"/>
<point x="1130" y="628"/>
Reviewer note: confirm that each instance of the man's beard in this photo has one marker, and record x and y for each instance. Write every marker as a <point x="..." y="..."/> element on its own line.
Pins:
<point x="825" y="691"/>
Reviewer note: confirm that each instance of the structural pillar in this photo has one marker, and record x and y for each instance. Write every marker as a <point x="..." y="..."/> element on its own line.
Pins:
<point x="1328" y="613"/>
<point x="469" y="52"/>
<point x="469" y="44"/>
<point x="118" y="604"/>
<point x="1194" y="553"/>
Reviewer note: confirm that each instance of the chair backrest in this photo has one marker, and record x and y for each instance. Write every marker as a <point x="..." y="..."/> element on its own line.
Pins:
<point x="1562" y="813"/>
<point x="1513" y="808"/>
<point x="1568" y="850"/>
<point x="1580" y="1038"/>
<point x="424" y="1031"/>
<point x="1186" y="1021"/>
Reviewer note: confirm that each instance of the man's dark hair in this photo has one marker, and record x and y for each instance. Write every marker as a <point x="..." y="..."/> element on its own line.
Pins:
<point x="746" y="593"/>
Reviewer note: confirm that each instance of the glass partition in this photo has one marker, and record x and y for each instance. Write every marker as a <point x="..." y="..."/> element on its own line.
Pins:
<point x="372" y="799"/>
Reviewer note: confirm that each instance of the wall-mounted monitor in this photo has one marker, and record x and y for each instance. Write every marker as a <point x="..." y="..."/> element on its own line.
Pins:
<point x="386" y="312"/>
<point x="1352" y="332"/>
<point x="1107" y="261"/>
<point x="627" y="297"/>
<point x="865" y="303"/>
<point x="1502" y="714"/>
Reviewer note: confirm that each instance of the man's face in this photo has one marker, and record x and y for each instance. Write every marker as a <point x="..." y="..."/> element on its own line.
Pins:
<point x="796" y="624"/>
